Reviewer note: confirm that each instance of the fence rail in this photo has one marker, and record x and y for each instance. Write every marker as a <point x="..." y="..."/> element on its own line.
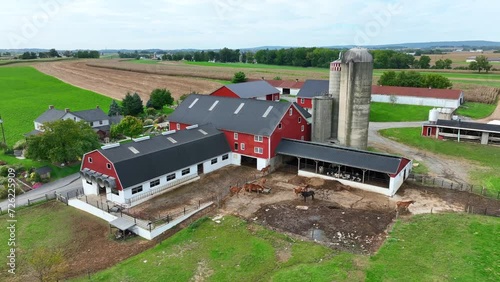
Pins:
<point x="459" y="186"/>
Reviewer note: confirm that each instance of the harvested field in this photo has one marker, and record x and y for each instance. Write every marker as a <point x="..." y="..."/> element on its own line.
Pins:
<point x="116" y="83"/>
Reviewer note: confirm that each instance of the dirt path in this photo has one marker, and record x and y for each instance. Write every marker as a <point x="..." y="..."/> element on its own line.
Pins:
<point x="439" y="166"/>
<point x="116" y="83"/>
<point x="494" y="116"/>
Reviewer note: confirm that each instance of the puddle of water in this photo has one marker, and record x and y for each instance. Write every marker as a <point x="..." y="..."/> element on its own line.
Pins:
<point x="317" y="234"/>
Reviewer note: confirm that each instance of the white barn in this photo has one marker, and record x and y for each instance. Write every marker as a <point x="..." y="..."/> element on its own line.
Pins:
<point x="442" y="98"/>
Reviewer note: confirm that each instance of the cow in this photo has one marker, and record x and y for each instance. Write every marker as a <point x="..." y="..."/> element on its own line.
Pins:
<point x="265" y="170"/>
<point x="306" y="194"/>
<point x="300" y="189"/>
<point x="235" y="190"/>
<point x="250" y="187"/>
<point x="403" y="205"/>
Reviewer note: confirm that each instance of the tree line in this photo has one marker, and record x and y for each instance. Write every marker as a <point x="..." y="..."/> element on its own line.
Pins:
<point x="53" y="53"/>
<point x="414" y="79"/>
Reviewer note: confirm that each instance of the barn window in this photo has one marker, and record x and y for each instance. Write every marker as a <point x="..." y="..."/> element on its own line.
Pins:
<point x="154" y="183"/>
<point x="100" y="122"/>
<point x="302" y="128"/>
<point x="236" y="146"/>
<point x="290" y="112"/>
<point x="171" y="177"/>
<point x="258" y="138"/>
<point x="115" y="191"/>
<point x="90" y="160"/>
<point x="108" y="165"/>
<point x="136" y="190"/>
<point x="178" y="126"/>
<point x="300" y="119"/>
<point x="302" y="100"/>
<point x="258" y="150"/>
<point x="243" y="146"/>
<point x="213" y="161"/>
<point x="235" y="136"/>
<point x="186" y="171"/>
<point x="225" y="157"/>
<point x="280" y="125"/>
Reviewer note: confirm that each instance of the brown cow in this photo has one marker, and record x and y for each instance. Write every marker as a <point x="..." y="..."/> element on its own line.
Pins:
<point x="250" y="187"/>
<point x="235" y="190"/>
<point x="300" y="189"/>
<point x="403" y="205"/>
<point x="265" y="170"/>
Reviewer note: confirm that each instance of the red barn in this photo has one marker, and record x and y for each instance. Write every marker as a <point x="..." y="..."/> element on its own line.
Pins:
<point x="260" y="90"/>
<point x="311" y="89"/>
<point x="252" y="127"/>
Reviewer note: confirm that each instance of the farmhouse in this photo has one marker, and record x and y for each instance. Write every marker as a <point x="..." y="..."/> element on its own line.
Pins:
<point x="252" y="127"/>
<point x="287" y="87"/>
<point x="443" y="98"/>
<point x="365" y="170"/>
<point x="463" y="131"/>
<point x="134" y="172"/>
<point x="96" y="118"/>
<point x="311" y="89"/>
<point x="260" y="90"/>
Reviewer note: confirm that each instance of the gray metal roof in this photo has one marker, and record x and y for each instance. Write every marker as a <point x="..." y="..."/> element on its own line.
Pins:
<point x="469" y="125"/>
<point x="158" y="156"/>
<point x="50" y="115"/>
<point x="223" y="113"/>
<point x="252" y="89"/>
<point x="122" y="223"/>
<point x="340" y="155"/>
<point x="91" y="115"/>
<point x="314" y="87"/>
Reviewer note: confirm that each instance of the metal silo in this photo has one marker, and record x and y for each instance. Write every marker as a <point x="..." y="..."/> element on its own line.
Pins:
<point x="334" y="92"/>
<point x="355" y="96"/>
<point x="322" y="119"/>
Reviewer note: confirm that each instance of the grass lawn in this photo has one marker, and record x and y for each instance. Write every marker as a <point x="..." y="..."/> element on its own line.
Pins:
<point x="476" y="110"/>
<point x="439" y="247"/>
<point x="387" y="112"/>
<point x="232" y="251"/>
<point x="484" y="155"/>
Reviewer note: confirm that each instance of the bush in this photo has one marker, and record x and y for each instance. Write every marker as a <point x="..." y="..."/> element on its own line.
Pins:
<point x="239" y="77"/>
<point x="150" y="111"/>
<point x="4" y="171"/>
<point x="4" y="193"/>
<point x="20" y="145"/>
<point x="148" y="122"/>
<point x="3" y="180"/>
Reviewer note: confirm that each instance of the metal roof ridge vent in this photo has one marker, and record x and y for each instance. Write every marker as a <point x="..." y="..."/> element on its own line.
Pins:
<point x="267" y="111"/>
<point x="141" y="138"/>
<point x="213" y="105"/>
<point x="133" y="150"/>
<point x="171" y="140"/>
<point x="192" y="126"/>
<point x="168" y="132"/>
<point x="203" y="131"/>
<point x="109" y="146"/>
<point x="239" y="108"/>
<point x="194" y="102"/>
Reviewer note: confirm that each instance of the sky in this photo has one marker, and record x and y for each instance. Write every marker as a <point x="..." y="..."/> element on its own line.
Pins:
<point x="205" y="24"/>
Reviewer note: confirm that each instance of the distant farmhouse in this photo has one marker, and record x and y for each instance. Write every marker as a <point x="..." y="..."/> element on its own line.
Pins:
<point x="260" y="90"/>
<point x="491" y="60"/>
<point x="96" y="118"/>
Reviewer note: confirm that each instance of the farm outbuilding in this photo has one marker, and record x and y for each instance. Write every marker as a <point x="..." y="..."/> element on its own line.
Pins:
<point x="365" y="170"/>
<point x="133" y="172"/>
<point x="463" y="131"/>
<point x="287" y="87"/>
<point x="260" y="90"/>
<point x="252" y="127"/>
<point x="442" y="98"/>
<point x="311" y="89"/>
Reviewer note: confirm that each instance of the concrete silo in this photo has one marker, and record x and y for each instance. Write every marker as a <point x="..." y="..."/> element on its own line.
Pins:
<point x="334" y="92"/>
<point x="322" y="119"/>
<point x="355" y="95"/>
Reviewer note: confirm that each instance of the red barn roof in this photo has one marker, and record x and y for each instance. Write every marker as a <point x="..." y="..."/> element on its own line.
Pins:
<point x="417" y="92"/>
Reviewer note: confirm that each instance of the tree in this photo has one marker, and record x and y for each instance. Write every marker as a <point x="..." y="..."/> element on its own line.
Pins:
<point x="239" y="77"/>
<point x="159" y="98"/>
<point x="483" y="63"/>
<point x="435" y="81"/>
<point x="48" y="265"/>
<point x="473" y="65"/>
<point x="114" y="109"/>
<point x="132" y="105"/>
<point x="53" y="53"/>
<point x="409" y="79"/>
<point x="443" y="64"/>
<point x="424" y="62"/>
<point x="128" y="126"/>
<point x="388" y="78"/>
<point x="62" y="141"/>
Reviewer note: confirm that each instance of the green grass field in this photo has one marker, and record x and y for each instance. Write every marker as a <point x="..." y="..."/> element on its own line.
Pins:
<point x="26" y="93"/>
<point x="486" y="156"/>
<point x="387" y="112"/>
<point x="476" y="110"/>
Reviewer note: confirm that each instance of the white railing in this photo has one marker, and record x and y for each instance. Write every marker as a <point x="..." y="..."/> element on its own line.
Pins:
<point x="152" y="192"/>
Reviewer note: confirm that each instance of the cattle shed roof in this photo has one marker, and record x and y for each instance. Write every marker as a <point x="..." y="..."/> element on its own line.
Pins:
<point x="313" y="88"/>
<point x="340" y="155"/>
<point x="145" y="160"/>
<point x="250" y="116"/>
<point x="468" y="125"/>
<point x="252" y="89"/>
<point x="454" y="94"/>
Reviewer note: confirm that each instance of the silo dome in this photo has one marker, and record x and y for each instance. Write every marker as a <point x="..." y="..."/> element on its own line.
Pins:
<point x="357" y="55"/>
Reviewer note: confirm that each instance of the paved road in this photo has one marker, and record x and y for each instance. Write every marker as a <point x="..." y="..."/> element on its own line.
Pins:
<point x="62" y="185"/>
<point x="439" y="165"/>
